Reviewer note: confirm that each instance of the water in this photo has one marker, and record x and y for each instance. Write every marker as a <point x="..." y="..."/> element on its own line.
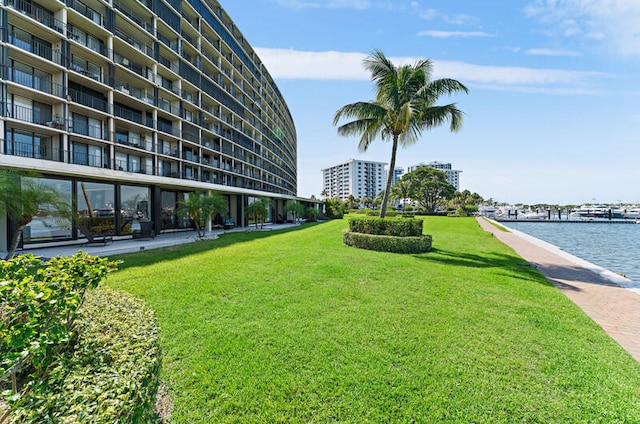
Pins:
<point x="615" y="247"/>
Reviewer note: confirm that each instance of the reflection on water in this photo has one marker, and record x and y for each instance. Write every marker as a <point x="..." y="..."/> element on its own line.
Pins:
<point x="615" y="247"/>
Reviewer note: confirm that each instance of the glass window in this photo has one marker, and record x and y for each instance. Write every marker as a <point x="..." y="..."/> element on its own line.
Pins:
<point x="96" y="207"/>
<point x="80" y="153"/>
<point x="169" y="200"/>
<point x="80" y="124"/>
<point x="135" y="205"/>
<point x="95" y="156"/>
<point x="47" y="225"/>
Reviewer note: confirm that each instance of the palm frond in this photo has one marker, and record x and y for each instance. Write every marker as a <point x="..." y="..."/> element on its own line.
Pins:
<point x="445" y="86"/>
<point x="435" y="116"/>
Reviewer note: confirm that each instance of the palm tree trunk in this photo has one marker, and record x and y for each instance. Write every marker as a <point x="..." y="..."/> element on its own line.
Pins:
<point x="392" y="165"/>
<point x="14" y="242"/>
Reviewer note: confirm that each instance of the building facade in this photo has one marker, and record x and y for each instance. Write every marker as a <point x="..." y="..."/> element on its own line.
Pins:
<point x="354" y="177"/>
<point x="453" y="176"/>
<point x="129" y="106"/>
<point x="397" y="174"/>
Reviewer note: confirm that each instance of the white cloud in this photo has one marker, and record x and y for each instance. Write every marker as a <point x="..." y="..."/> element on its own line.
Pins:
<point x="332" y="65"/>
<point x="551" y="52"/>
<point x="612" y="21"/>
<point x="428" y="14"/>
<point x="454" y="34"/>
<point x="461" y="19"/>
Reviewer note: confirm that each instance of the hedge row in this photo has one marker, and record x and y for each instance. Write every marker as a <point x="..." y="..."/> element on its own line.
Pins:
<point x="383" y="243"/>
<point x="399" y="227"/>
<point x="111" y="376"/>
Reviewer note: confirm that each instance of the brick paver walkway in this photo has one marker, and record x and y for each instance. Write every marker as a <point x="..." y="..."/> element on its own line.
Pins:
<point x="615" y="308"/>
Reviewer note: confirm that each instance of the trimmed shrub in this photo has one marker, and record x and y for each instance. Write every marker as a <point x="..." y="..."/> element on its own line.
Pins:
<point x="111" y="376"/>
<point x="382" y="243"/>
<point x="38" y="307"/>
<point x="386" y="226"/>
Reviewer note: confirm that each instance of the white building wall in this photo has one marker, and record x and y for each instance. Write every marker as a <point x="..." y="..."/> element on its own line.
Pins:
<point x="453" y="175"/>
<point x="354" y="177"/>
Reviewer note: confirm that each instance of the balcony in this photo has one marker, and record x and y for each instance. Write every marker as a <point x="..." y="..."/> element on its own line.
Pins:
<point x="88" y="100"/>
<point x="88" y="130"/>
<point x="86" y="68"/>
<point x="85" y="11"/>
<point x="133" y="66"/>
<point x="39" y="13"/>
<point x="40" y="82"/>
<point x="128" y="114"/>
<point x="146" y="24"/>
<point x="34" y="115"/>
<point x="27" y="43"/>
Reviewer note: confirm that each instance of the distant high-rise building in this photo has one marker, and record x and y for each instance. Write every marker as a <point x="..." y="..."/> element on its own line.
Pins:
<point x="397" y="174"/>
<point x="359" y="178"/>
<point x="453" y="176"/>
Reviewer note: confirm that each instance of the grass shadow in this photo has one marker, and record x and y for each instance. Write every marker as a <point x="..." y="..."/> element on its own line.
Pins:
<point x="511" y="265"/>
<point x="156" y="256"/>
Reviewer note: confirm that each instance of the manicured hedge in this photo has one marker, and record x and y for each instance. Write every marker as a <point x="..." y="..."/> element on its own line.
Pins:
<point x="400" y="227"/>
<point x="382" y="243"/>
<point x="111" y="376"/>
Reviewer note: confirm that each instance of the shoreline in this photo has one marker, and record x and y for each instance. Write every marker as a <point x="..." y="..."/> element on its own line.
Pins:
<point x="609" y="299"/>
<point x="612" y="276"/>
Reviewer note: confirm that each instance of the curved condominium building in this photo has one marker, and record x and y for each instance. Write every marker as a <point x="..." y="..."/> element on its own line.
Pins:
<point x="128" y="106"/>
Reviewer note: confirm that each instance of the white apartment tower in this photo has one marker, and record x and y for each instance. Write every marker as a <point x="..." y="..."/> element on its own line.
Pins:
<point x="453" y="176"/>
<point x="359" y="178"/>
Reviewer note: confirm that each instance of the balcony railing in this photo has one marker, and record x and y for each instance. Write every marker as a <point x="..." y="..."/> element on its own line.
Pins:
<point x="138" y="19"/>
<point x="46" y="152"/>
<point x="127" y="63"/>
<point x="33" y="81"/>
<point x="32" y="46"/>
<point x="78" y="158"/>
<point x="127" y="114"/>
<point x="38" y="13"/>
<point x="89" y="130"/>
<point x="134" y="42"/>
<point x="85" y="10"/>
<point x="86" y="68"/>
<point x="87" y="100"/>
<point x="33" y="115"/>
<point x="137" y="168"/>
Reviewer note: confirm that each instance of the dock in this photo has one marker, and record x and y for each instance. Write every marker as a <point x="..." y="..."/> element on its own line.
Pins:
<point x="571" y="221"/>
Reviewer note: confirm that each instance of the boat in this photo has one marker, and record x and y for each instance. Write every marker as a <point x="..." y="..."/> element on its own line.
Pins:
<point x="592" y="212"/>
<point x="632" y="213"/>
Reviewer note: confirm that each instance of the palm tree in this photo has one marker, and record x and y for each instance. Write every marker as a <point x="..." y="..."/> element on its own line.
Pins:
<point x="259" y="210"/>
<point x="401" y="190"/>
<point x="200" y="207"/>
<point x="296" y="210"/>
<point x="23" y="197"/>
<point x="405" y="106"/>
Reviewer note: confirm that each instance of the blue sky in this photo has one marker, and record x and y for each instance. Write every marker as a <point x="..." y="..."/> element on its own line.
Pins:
<point x="552" y="114"/>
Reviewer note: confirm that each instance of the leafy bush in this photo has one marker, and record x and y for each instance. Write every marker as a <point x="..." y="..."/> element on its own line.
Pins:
<point x="38" y="306"/>
<point x="388" y="226"/>
<point x="382" y="243"/>
<point x="112" y="374"/>
<point x="311" y="214"/>
<point x="334" y="208"/>
<point x="98" y="224"/>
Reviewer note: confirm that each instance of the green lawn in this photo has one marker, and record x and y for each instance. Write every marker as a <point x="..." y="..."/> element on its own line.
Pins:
<point x="293" y="326"/>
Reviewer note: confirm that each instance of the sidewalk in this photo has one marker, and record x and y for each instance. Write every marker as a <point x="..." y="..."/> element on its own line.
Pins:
<point x="127" y="244"/>
<point x="610" y="300"/>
